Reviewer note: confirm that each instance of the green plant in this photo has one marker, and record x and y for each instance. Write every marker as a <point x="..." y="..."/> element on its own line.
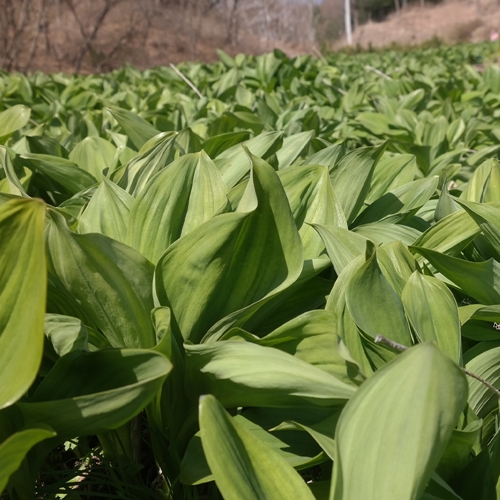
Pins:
<point x="206" y="297"/>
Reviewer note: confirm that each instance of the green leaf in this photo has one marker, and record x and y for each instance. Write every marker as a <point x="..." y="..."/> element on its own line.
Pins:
<point x="484" y="183"/>
<point x="292" y="147"/>
<point x="15" y="185"/>
<point x="450" y="235"/>
<point x="13" y="119"/>
<point x="94" y="155"/>
<point x="299" y="451"/>
<point x="63" y="171"/>
<point x="244" y="467"/>
<point x="390" y="173"/>
<point x="174" y="203"/>
<point x="138" y="130"/>
<point x="400" y="204"/>
<point x="310" y="337"/>
<point x="486" y="365"/>
<point x="351" y="178"/>
<point x="134" y="176"/>
<point x="342" y="245"/>
<point x="90" y="392"/>
<point x="480" y="280"/>
<point x="234" y="259"/>
<point x="15" y="448"/>
<point x="376" y="456"/>
<point x="433" y="313"/>
<point x="110" y="281"/>
<point x="108" y="212"/>
<point x="374" y="304"/>
<point x="385" y="233"/>
<point x="312" y="201"/>
<point x="327" y="157"/>
<point x="246" y="374"/>
<point x="66" y="334"/>
<point x="234" y="164"/>
<point x="458" y="451"/>
<point x="323" y="432"/>
<point x="487" y="217"/>
<point x="217" y="144"/>
<point x="23" y="285"/>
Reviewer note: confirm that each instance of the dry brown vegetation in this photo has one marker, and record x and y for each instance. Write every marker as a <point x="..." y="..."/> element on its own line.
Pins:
<point x="98" y="35"/>
<point x="451" y="21"/>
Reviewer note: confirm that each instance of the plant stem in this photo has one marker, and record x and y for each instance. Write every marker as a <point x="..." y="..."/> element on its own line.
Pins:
<point x="186" y="79"/>
<point x="380" y="339"/>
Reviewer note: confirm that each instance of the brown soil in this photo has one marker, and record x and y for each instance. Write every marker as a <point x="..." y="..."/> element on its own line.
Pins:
<point x="451" y="21"/>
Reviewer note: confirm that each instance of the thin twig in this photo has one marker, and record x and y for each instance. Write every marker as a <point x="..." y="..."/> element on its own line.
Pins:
<point x="186" y="79"/>
<point x="319" y="54"/>
<point x="380" y="339"/>
<point x="485" y="382"/>
<point x="378" y="72"/>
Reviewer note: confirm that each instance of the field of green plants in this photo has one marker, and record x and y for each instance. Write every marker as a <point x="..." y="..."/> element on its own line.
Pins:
<point x="260" y="279"/>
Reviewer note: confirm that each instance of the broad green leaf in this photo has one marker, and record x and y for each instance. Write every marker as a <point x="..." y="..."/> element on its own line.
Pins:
<point x="244" y="467"/>
<point x="299" y="451"/>
<point x="108" y="212"/>
<point x="450" y="235"/>
<point x="15" y="448"/>
<point x="486" y="365"/>
<point x="138" y="130"/>
<point x="235" y="164"/>
<point x="217" y="144"/>
<point x="327" y="157"/>
<point x="134" y="176"/>
<point x="342" y="245"/>
<point x="346" y="327"/>
<point x="400" y="204"/>
<point x="374" y="304"/>
<point x="293" y="147"/>
<point x="433" y="313"/>
<point x="188" y="141"/>
<point x="91" y="392"/>
<point x="487" y="217"/>
<point x="94" y="155"/>
<point x="390" y="173"/>
<point x="14" y="184"/>
<point x="312" y="201"/>
<point x="310" y="337"/>
<point x="13" y="119"/>
<point x="246" y="374"/>
<point x="23" y="285"/>
<point x="351" y="178"/>
<point x="110" y="281"/>
<point x="63" y="171"/>
<point x="174" y="203"/>
<point x="397" y="264"/>
<point x="376" y="456"/>
<point x="65" y="333"/>
<point x="484" y="183"/>
<point x="307" y="293"/>
<point x="385" y="233"/>
<point x="446" y="205"/>
<point x="458" y="451"/>
<point x="232" y="260"/>
<point x="323" y="432"/>
<point x="480" y="280"/>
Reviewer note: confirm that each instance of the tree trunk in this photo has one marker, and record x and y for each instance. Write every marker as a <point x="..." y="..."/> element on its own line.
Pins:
<point x="347" y="12"/>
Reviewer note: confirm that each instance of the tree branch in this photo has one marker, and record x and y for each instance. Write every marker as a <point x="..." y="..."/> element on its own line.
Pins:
<point x="380" y="339"/>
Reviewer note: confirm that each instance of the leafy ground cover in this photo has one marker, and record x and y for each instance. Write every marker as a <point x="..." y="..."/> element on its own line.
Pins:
<point x="278" y="280"/>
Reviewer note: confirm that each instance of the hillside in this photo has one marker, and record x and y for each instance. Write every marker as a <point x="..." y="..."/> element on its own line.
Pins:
<point x="452" y="22"/>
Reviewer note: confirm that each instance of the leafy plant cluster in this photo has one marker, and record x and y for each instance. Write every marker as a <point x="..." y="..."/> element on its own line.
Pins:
<point x="283" y="283"/>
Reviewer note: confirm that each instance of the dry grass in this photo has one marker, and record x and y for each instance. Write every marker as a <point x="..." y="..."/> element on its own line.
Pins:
<point x="451" y="21"/>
